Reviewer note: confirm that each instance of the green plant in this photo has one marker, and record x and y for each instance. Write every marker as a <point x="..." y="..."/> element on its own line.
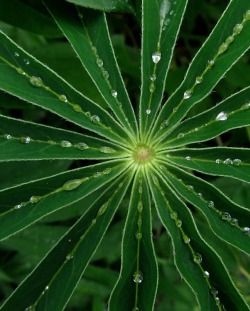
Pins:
<point x="154" y="156"/>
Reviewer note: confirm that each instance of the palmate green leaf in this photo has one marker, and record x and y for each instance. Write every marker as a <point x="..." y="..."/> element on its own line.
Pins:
<point x="196" y="261"/>
<point x="29" y="18"/>
<point x="106" y="5"/>
<point x="161" y="22"/>
<point x="227" y="219"/>
<point x="87" y="31"/>
<point x="138" y="257"/>
<point x="226" y="44"/>
<point x="23" y="76"/>
<point x="66" y="262"/>
<point x="233" y="162"/>
<point x="25" y="204"/>
<point x="21" y="140"/>
<point x="233" y="112"/>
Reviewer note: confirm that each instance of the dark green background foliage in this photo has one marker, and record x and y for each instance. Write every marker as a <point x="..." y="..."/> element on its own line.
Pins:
<point x="69" y="221"/>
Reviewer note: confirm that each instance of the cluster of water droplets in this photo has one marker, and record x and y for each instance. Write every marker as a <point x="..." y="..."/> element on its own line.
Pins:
<point x="224" y="216"/>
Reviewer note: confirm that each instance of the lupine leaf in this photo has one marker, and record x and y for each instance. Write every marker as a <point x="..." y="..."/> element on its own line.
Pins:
<point x="36" y="142"/>
<point x="207" y="274"/>
<point x="138" y="258"/>
<point x="231" y="25"/>
<point x="84" y="28"/>
<point x="38" y="84"/>
<point x="106" y="5"/>
<point x="215" y="206"/>
<point x="161" y="22"/>
<point x="31" y="201"/>
<point x="233" y="162"/>
<point x="234" y="112"/>
<point x="67" y="260"/>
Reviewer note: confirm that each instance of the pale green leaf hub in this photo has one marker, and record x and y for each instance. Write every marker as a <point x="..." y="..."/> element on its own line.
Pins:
<point x="143" y="154"/>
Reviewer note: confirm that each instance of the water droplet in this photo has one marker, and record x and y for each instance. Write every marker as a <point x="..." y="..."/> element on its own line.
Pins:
<point x="36" y="81"/>
<point x="107" y="170"/>
<point x="26" y="61"/>
<point x="17" y="206"/>
<point x="234" y="222"/>
<point x="206" y="274"/>
<point x="217" y="300"/>
<point x="138" y="277"/>
<point x="69" y="256"/>
<point x="186" y="239"/>
<point x="95" y="119"/>
<point x="218" y="161"/>
<point x="47" y="287"/>
<point x="225" y="216"/>
<point x="35" y="199"/>
<point x="138" y="235"/>
<point x="153" y="77"/>
<point x="236" y="162"/>
<point x="197" y="258"/>
<point x="140" y="189"/>
<point x="214" y="291"/>
<point x="229" y="40"/>
<point x="105" y="74"/>
<point x="190" y="188"/>
<point x="164" y="124"/>
<point x="65" y="144"/>
<point x="222" y="116"/>
<point x="77" y="108"/>
<point x="246" y="230"/>
<point x="187" y="94"/>
<point x="82" y="146"/>
<point x="188" y="158"/>
<point x="175" y="109"/>
<point x="210" y="63"/>
<point x="20" y="71"/>
<point x="7" y="136"/>
<point x="173" y="215"/>
<point x="140" y="207"/>
<point x="135" y="309"/>
<point x="99" y="62"/>
<point x="199" y="79"/>
<point x="210" y="204"/>
<point x="237" y="29"/>
<point x="165" y="7"/>
<point x="72" y="184"/>
<point x="107" y="150"/>
<point x="167" y="22"/>
<point x="222" y="48"/>
<point x="88" y="114"/>
<point x="25" y="139"/>
<point x="156" y="181"/>
<point x="199" y="195"/>
<point x="156" y="57"/>
<point x="148" y="111"/>
<point x="228" y="161"/>
<point x="17" y="54"/>
<point x="63" y="98"/>
<point x="139" y="222"/>
<point x="178" y="223"/>
<point x="247" y="15"/>
<point x="152" y="87"/>
<point x="114" y="93"/>
<point x="97" y="174"/>
<point x="180" y="135"/>
<point x="102" y="209"/>
<point x="196" y="129"/>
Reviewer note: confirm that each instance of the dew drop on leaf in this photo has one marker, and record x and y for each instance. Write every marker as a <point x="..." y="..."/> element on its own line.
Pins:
<point x="206" y="274"/>
<point x="138" y="235"/>
<point x="187" y="94"/>
<point x="36" y="81"/>
<point x="218" y="161"/>
<point x="63" y="98"/>
<point x="114" y="93"/>
<point x="188" y="158"/>
<point x="186" y="239"/>
<point x="225" y="216"/>
<point x="180" y="135"/>
<point x="210" y="204"/>
<point x="246" y="230"/>
<point x="72" y="184"/>
<point x="236" y="162"/>
<point x="197" y="258"/>
<point x="16" y="54"/>
<point x="233" y="222"/>
<point x="140" y="207"/>
<point x="107" y="171"/>
<point x="222" y="48"/>
<point x="173" y="215"/>
<point x="178" y="223"/>
<point x="237" y="29"/>
<point x="148" y="111"/>
<point x="222" y="116"/>
<point x="214" y="291"/>
<point x="35" y="199"/>
<point x="25" y="139"/>
<point x="247" y="15"/>
<point x="69" y="256"/>
<point x="138" y="277"/>
<point x="97" y="174"/>
<point x="7" y="136"/>
<point x="95" y="119"/>
<point x="199" y="79"/>
<point x="99" y="62"/>
<point x="156" y="57"/>
<point x="65" y="144"/>
<point x="77" y="108"/>
<point x="82" y="146"/>
<point x="26" y="61"/>
<point x="152" y="87"/>
<point x="153" y="77"/>
<point x="107" y="150"/>
<point x="228" y="161"/>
